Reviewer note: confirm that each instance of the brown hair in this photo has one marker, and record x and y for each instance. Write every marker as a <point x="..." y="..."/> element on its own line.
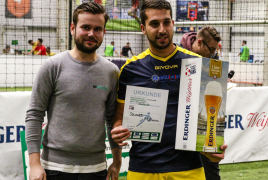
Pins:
<point x="90" y="7"/>
<point x="207" y="32"/>
<point x="154" y="4"/>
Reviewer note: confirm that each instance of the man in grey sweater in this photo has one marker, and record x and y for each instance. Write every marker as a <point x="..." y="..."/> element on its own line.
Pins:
<point x="78" y="91"/>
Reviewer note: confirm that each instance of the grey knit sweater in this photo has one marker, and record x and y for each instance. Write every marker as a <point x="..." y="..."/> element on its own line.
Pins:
<point x="78" y="97"/>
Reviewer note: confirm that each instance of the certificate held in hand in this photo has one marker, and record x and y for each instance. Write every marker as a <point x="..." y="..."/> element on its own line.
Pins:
<point x="144" y="113"/>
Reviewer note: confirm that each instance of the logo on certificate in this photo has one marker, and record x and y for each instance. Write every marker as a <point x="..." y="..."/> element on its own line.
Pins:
<point x="131" y="107"/>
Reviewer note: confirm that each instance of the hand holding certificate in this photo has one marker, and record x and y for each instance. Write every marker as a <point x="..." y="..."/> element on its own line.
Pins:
<point x="144" y="113"/>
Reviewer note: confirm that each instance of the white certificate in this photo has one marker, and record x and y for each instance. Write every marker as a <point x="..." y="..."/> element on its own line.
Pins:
<point x="144" y="113"/>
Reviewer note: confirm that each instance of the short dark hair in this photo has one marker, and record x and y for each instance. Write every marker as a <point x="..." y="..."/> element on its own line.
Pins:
<point x="154" y="4"/>
<point x="90" y="7"/>
<point x="244" y="41"/>
<point x="30" y="41"/>
<point x="208" y="32"/>
<point x="40" y="40"/>
<point x="7" y="46"/>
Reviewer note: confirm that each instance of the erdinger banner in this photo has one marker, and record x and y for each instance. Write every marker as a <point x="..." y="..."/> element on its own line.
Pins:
<point x="246" y="125"/>
<point x="19" y="9"/>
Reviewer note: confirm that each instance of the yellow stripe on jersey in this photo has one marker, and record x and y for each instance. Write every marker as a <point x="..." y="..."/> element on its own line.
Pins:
<point x="195" y="174"/>
<point x="135" y="58"/>
<point x="187" y="51"/>
<point x="148" y="52"/>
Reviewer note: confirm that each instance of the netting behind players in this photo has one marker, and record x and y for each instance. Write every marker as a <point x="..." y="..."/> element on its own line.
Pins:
<point x="24" y="20"/>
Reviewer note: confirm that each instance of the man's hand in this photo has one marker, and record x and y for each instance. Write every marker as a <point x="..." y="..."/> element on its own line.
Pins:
<point x="120" y="134"/>
<point x="113" y="171"/>
<point x="216" y="157"/>
<point x="37" y="172"/>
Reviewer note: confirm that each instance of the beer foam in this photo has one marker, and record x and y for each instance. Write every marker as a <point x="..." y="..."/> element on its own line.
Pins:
<point x="214" y="89"/>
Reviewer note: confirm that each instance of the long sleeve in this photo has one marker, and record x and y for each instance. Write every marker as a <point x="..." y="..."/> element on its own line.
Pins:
<point x="110" y="109"/>
<point x="41" y="93"/>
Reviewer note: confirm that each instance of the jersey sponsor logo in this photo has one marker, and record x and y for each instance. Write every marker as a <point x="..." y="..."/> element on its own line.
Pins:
<point x="155" y="78"/>
<point x="166" y="78"/>
<point x="166" y="67"/>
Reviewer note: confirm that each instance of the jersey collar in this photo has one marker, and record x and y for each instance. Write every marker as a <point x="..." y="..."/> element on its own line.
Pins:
<point x="162" y="58"/>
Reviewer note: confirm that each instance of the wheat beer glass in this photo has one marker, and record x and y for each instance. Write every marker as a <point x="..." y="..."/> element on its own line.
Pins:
<point x="213" y="97"/>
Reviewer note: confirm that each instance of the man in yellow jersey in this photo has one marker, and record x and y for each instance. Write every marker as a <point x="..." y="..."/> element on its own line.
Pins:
<point x="48" y="52"/>
<point x="158" y="161"/>
<point x="33" y="44"/>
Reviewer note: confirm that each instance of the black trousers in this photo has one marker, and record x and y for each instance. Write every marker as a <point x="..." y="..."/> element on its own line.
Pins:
<point x="58" y="175"/>
<point x="212" y="170"/>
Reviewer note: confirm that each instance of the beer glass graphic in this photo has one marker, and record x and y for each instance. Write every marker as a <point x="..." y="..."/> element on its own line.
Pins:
<point x="213" y="98"/>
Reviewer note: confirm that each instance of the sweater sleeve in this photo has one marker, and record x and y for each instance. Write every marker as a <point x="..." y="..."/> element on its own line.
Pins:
<point x="41" y="93"/>
<point x="110" y="108"/>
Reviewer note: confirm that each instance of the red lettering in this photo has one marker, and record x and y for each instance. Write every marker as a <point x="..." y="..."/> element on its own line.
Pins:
<point x="258" y="119"/>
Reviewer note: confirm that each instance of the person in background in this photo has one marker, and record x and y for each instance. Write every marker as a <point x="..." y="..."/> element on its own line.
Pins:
<point x="40" y="48"/>
<point x="125" y="49"/>
<point x="244" y="52"/>
<point x="77" y="90"/>
<point x="155" y="161"/>
<point x="33" y="44"/>
<point x="8" y="50"/>
<point x="49" y="53"/>
<point x="110" y="49"/>
<point x="204" y="42"/>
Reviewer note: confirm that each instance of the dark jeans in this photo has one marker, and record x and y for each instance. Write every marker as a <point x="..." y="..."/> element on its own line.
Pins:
<point x="58" y="175"/>
<point x="212" y="170"/>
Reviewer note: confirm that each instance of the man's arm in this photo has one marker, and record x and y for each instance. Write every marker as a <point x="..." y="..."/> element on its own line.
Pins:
<point x="241" y="50"/>
<point x="30" y="52"/>
<point x="114" y="168"/>
<point x="38" y="172"/>
<point x="131" y="52"/>
<point x="40" y="98"/>
<point x="119" y="134"/>
<point x="39" y="52"/>
<point x="116" y="52"/>
<point x="121" y="52"/>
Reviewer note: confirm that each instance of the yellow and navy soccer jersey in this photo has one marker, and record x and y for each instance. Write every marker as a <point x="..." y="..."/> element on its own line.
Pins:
<point x="151" y="71"/>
